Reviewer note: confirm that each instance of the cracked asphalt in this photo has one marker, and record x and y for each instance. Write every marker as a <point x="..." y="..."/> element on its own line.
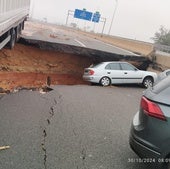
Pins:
<point x="70" y="127"/>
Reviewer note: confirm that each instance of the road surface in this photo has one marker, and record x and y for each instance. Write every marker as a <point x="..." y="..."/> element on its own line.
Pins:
<point x="69" y="36"/>
<point x="71" y="127"/>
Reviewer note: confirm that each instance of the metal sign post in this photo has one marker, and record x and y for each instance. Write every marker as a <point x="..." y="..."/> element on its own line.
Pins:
<point x="87" y="16"/>
<point x="70" y="12"/>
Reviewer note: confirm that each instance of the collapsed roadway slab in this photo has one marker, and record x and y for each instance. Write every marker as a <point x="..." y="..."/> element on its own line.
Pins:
<point x="96" y="55"/>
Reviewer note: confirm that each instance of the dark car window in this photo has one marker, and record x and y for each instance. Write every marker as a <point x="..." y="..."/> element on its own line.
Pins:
<point x="113" y="66"/>
<point x="126" y="66"/>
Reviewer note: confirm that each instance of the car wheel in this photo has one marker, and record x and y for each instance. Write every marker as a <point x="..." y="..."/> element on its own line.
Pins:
<point x="148" y="82"/>
<point x="105" y="81"/>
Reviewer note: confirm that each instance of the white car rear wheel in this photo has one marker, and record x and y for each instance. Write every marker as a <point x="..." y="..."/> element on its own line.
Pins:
<point x="148" y="82"/>
<point x="105" y="81"/>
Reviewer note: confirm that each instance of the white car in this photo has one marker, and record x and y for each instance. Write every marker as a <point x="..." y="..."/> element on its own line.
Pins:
<point x="107" y="73"/>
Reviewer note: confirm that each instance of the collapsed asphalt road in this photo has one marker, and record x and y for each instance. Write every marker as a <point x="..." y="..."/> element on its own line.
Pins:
<point x="70" y="127"/>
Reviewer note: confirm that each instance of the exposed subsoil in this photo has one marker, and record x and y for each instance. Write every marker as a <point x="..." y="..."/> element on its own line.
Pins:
<point x="26" y="66"/>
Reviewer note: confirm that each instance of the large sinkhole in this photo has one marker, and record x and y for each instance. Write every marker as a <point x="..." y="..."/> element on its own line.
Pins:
<point x="36" y="63"/>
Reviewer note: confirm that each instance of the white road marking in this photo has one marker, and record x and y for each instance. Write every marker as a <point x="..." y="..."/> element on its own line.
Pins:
<point x="82" y="44"/>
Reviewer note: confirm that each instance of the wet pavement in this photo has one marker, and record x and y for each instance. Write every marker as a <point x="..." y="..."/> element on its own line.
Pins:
<point x="75" y="127"/>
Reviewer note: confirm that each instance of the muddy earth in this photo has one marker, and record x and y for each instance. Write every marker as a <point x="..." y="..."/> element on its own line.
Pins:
<point x="30" y="67"/>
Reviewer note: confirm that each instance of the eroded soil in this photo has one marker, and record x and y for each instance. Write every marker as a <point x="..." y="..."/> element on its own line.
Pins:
<point x="27" y="66"/>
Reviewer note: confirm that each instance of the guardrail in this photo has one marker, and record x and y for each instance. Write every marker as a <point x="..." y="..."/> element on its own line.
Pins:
<point x="162" y="48"/>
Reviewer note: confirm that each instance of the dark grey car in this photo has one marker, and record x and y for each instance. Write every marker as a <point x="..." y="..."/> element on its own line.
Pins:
<point x="150" y="130"/>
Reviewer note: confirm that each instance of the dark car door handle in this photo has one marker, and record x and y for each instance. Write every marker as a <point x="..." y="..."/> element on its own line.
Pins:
<point x="125" y="73"/>
<point x="108" y="72"/>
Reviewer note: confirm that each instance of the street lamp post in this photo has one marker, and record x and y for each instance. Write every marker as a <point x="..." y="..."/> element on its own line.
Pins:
<point x="31" y="15"/>
<point x="113" y="17"/>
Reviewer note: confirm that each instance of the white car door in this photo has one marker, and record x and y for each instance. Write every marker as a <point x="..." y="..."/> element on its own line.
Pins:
<point x="131" y="74"/>
<point x="113" y="70"/>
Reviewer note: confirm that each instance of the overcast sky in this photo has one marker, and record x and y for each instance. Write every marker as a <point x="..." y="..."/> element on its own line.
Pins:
<point x="134" y="19"/>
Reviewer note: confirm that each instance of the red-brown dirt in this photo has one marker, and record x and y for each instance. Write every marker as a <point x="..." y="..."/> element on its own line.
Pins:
<point x="27" y="66"/>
